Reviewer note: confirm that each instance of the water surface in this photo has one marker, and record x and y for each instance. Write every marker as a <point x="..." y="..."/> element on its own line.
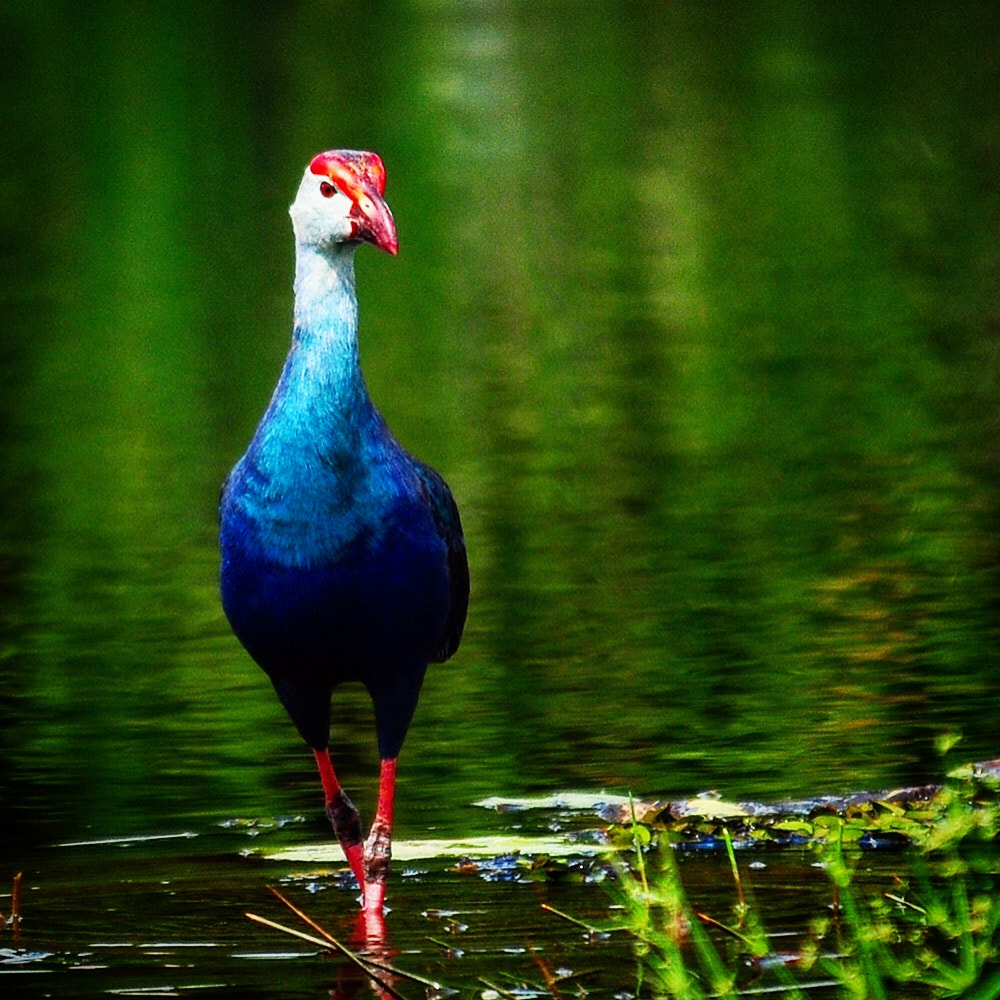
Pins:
<point x="696" y="308"/>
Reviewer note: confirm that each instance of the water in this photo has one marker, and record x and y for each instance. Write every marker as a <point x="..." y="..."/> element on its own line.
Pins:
<point x="695" y="308"/>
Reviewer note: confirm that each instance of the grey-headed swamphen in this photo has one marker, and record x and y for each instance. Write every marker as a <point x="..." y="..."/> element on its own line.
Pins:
<point x="343" y="557"/>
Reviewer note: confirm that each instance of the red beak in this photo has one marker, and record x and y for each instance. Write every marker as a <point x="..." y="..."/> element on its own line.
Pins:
<point x="375" y="222"/>
<point x="361" y="176"/>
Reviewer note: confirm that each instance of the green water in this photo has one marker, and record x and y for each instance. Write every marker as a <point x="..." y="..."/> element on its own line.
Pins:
<point x="697" y="310"/>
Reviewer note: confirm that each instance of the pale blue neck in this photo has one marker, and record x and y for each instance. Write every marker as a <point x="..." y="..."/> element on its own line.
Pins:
<point x="324" y="357"/>
<point x="321" y="401"/>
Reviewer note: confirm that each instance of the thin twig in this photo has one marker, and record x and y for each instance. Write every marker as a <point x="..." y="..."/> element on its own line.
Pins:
<point x="566" y="916"/>
<point x="306" y="919"/>
<point x="550" y="980"/>
<point x="15" y="908"/>
<point x="319" y="942"/>
<point x="414" y="977"/>
<point x="497" y="989"/>
<point x="330" y="944"/>
<point x="712" y="922"/>
<point x="374" y="963"/>
<point x="581" y="923"/>
<point x="904" y="902"/>
<point x="447" y="945"/>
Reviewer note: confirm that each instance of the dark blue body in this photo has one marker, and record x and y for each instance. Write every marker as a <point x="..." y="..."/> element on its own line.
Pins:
<point x="342" y="556"/>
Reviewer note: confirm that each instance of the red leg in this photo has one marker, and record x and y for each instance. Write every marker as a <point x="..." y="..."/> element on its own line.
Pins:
<point x="343" y="816"/>
<point x="378" y="847"/>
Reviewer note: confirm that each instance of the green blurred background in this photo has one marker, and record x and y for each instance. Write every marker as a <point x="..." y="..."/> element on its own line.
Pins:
<point x="697" y="309"/>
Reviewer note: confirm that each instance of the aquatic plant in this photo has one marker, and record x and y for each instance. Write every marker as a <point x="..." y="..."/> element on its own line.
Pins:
<point x="933" y="929"/>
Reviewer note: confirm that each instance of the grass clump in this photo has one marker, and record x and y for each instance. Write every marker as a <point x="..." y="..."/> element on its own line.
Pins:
<point x="927" y="926"/>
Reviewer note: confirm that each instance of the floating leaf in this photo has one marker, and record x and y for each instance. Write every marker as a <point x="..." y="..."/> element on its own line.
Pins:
<point x="466" y="847"/>
<point x="799" y="826"/>
<point x="709" y="808"/>
<point x="562" y="802"/>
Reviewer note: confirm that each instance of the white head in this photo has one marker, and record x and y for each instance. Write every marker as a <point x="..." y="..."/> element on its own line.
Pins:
<point x="340" y="200"/>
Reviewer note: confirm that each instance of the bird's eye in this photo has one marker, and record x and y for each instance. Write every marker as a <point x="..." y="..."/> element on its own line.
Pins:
<point x="326" y="189"/>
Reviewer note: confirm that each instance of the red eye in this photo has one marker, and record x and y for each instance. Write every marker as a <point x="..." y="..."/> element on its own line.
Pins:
<point x="326" y="189"/>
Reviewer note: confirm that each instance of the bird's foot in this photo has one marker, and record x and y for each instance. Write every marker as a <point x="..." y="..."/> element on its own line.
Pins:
<point x="378" y="853"/>
<point x="378" y="858"/>
<point x="346" y="825"/>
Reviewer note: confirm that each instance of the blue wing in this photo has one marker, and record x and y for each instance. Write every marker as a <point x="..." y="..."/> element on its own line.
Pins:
<point x="449" y="525"/>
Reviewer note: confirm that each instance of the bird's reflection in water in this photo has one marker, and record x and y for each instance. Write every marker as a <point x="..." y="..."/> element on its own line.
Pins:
<point x="372" y="974"/>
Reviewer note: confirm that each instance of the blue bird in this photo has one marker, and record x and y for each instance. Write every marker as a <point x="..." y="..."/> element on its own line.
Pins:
<point x="343" y="557"/>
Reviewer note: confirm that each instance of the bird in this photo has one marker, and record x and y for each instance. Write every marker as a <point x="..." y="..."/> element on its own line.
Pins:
<point x="342" y="556"/>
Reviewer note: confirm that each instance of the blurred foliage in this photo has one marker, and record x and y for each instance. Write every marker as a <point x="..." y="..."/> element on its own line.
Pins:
<point x="696" y="309"/>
